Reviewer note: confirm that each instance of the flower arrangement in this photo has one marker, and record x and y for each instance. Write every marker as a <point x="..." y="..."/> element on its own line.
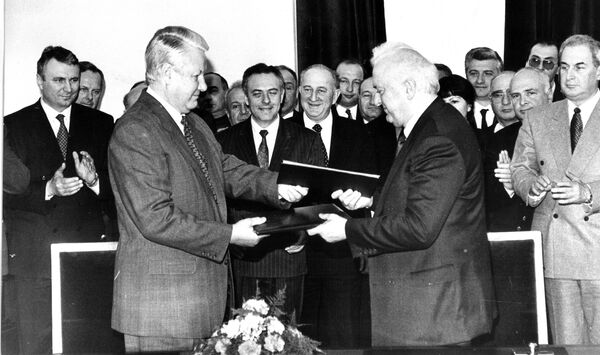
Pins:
<point x="257" y="329"/>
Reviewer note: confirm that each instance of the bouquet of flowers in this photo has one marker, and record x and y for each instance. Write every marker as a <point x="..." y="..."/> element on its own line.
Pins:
<point x="258" y="328"/>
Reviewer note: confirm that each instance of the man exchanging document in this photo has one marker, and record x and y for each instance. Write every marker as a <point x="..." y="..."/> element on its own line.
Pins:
<point x="429" y="262"/>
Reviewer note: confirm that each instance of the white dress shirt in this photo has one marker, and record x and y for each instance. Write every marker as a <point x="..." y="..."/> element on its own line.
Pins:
<point x="271" y="136"/>
<point x="489" y="115"/>
<point x="341" y="110"/>
<point x="326" y="129"/>
<point x="586" y="108"/>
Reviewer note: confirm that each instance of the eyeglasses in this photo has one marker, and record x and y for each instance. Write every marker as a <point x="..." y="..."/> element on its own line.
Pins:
<point x="535" y="61"/>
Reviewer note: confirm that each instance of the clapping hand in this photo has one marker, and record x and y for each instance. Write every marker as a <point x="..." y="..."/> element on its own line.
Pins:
<point x="85" y="167"/>
<point x="502" y="172"/>
<point x="62" y="186"/>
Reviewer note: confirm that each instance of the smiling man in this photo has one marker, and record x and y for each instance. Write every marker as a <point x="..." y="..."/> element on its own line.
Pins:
<point x="350" y="75"/>
<point x="555" y="169"/>
<point x="277" y="263"/>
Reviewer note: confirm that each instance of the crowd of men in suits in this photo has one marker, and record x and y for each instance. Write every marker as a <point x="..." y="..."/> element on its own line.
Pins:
<point x="192" y="164"/>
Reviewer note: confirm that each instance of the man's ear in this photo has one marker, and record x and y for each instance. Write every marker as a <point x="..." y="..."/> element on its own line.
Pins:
<point x="39" y="81"/>
<point x="411" y="88"/>
<point x="336" y="94"/>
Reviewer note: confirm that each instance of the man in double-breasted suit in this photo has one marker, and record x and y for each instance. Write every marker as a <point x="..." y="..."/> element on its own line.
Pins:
<point x="555" y="169"/>
<point x="429" y="265"/>
<point x="63" y="145"/>
<point x="278" y="263"/>
<point x="170" y="181"/>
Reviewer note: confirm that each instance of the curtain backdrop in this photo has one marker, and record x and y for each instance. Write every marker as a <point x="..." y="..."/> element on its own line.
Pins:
<point x="529" y="20"/>
<point x="333" y="30"/>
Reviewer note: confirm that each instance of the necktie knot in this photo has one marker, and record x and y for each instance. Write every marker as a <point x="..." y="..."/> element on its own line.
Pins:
<point x="349" y="113"/>
<point x="317" y="128"/>
<point x="577" y="110"/>
<point x="263" y="133"/>
<point x="483" y="120"/>
<point x="61" y="118"/>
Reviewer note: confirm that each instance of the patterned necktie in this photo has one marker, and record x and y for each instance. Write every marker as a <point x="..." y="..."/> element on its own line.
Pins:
<point x="62" y="136"/>
<point x="349" y="113"/>
<point x="576" y="128"/>
<point x="263" y="150"/>
<point x="483" y="120"/>
<point x="189" y="138"/>
<point x="401" y="140"/>
<point x="317" y="128"/>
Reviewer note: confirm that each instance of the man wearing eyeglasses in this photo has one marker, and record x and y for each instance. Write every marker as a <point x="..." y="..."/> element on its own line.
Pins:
<point x="544" y="57"/>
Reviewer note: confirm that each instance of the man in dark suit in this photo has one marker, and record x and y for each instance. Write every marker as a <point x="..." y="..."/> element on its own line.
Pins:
<point x="543" y="56"/>
<point x="383" y="134"/>
<point x="277" y="263"/>
<point x="431" y="282"/>
<point x="64" y="147"/>
<point x="170" y="180"/>
<point x="212" y="103"/>
<point x="350" y="74"/>
<point x="332" y="297"/>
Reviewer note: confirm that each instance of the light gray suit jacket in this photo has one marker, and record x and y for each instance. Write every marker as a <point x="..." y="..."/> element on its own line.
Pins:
<point x="571" y="233"/>
<point x="172" y="261"/>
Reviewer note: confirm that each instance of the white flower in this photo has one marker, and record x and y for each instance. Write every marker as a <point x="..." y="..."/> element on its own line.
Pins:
<point x="221" y="346"/>
<point x="232" y="328"/>
<point x="274" y="325"/>
<point x="249" y="347"/>
<point x="255" y="305"/>
<point x="251" y="326"/>
<point x="274" y="343"/>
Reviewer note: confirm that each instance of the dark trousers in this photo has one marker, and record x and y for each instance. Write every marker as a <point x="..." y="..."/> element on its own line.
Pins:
<point x="292" y="288"/>
<point x="337" y="311"/>
<point x="34" y="308"/>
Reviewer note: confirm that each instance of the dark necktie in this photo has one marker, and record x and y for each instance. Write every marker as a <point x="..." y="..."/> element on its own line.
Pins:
<point x="401" y="140"/>
<point x="483" y="120"/>
<point x="263" y="150"/>
<point x="317" y="128"/>
<point x="189" y="138"/>
<point x="62" y="136"/>
<point x="576" y="128"/>
<point x="349" y="113"/>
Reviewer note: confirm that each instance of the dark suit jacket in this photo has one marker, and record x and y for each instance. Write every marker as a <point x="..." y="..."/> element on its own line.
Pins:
<point x="430" y="271"/>
<point x="503" y="213"/>
<point x="34" y="223"/>
<point x="172" y="262"/>
<point x="351" y="149"/>
<point x="383" y="134"/>
<point x="268" y="259"/>
<point x="15" y="174"/>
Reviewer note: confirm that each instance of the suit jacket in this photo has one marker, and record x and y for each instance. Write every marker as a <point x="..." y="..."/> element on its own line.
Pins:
<point x="569" y="232"/>
<point x="503" y="212"/>
<point x="351" y="149"/>
<point x="383" y="134"/>
<point x="16" y="175"/>
<point x="430" y="268"/>
<point x="268" y="259"/>
<point x="172" y="262"/>
<point x="34" y="223"/>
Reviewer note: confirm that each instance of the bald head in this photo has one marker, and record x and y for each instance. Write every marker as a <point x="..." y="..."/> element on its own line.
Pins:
<point x="529" y="88"/>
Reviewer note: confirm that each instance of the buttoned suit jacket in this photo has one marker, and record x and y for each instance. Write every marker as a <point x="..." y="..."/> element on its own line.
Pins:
<point x="430" y="268"/>
<point x="172" y="261"/>
<point x="569" y="232"/>
<point x="34" y="223"/>
<point x="295" y="143"/>
<point x="352" y="149"/>
<point x="503" y="212"/>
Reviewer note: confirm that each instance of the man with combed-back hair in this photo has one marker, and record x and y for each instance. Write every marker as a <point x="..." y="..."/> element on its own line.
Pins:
<point x="555" y="169"/>
<point x="429" y="263"/>
<point x="170" y="179"/>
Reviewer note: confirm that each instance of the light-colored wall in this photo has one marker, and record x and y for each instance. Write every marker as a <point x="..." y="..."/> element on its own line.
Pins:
<point x="113" y="34"/>
<point x="444" y="30"/>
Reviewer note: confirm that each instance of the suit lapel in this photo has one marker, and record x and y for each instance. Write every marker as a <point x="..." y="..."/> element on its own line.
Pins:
<point x="46" y="132"/>
<point x="246" y="145"/>
<point x="282" y="145"/>
<point x="559" y="141"/>
<point x="588" y="144"/>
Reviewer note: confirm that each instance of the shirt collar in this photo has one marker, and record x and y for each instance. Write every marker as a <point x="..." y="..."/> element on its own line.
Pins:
<point x="52" y="113"/>
<point x="173" y="112"/>
<point x="272" y="128"/>
<point x="327" y="122"/>
<point x="586" y="108"/>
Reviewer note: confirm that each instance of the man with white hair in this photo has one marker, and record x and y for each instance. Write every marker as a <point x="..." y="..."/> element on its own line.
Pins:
<point x="429" y="264"/>
<point x="170" y="180"/>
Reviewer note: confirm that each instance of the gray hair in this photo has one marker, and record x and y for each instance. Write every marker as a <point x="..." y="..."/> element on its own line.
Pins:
<point x="539" y="75"/>
<point x="168" y="42"/>
<point x="336" y="83"/>
<point x="583" y="40"/>
<point x="402" y="62"/>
